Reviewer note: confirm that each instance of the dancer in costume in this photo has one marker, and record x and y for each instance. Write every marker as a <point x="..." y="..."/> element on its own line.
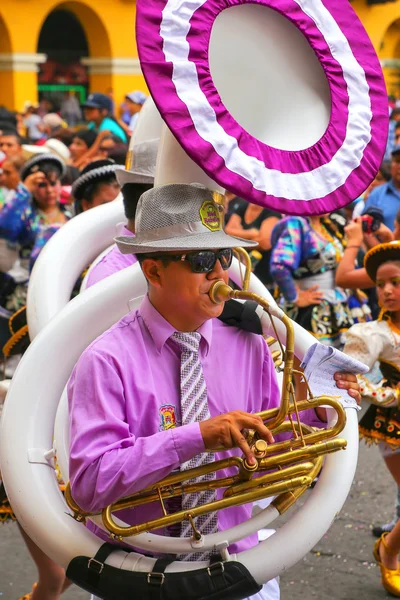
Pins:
<point x="381" y="422"/>
<point x="380" y="341"/>
<point x="304" y="258"/>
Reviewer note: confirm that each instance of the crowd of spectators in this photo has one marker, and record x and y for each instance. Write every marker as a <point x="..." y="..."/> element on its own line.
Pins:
<point x="44" y="158"/>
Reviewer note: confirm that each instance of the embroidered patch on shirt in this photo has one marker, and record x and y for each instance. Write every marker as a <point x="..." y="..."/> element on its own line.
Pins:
<point x="209" y="215"/>
<point x="167" y="417"/>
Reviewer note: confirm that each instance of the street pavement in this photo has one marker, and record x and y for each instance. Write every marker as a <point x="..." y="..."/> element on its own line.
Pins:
<point x="340" y="567"/>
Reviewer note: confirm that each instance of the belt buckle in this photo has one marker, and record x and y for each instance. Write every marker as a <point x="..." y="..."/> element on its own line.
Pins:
<point x="98" y="569"/>
<point x="160" y="577"/>
<point x="212" y="567"/>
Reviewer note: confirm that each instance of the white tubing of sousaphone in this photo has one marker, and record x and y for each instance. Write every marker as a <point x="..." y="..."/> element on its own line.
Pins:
<point x="143" y="145"/>
<point x="148" y="125"/>
<point x="27" y="432"/>
<point x="174" y="166"/>
<point x="63" y="259"/>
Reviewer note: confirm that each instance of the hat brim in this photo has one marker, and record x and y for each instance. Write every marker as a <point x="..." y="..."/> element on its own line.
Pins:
<point x="124" y="176"/>
<point x="41" y="158"/>
<point x="30" y="150"/>
<point x="200" y="241"/>
<point x="378" y="255"/>
<point x="90" y="105"/>
<point x="94" y="176"/>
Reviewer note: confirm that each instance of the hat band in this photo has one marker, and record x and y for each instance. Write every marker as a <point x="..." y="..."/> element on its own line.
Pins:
<point x="171" y="231"/>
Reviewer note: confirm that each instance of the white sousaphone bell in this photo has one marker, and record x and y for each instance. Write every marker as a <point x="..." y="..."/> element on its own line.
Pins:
<point x="250" y="138"/>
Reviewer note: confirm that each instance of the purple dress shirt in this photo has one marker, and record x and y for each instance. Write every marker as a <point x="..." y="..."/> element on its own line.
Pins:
<point x="124" y="396"/>
<point x="110" y="263"/>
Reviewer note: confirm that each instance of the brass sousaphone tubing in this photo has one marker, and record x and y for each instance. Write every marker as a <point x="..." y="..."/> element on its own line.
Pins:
<point x="289" y="466"/>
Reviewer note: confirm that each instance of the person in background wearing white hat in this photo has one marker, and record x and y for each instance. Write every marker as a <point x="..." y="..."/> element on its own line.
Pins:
<point x="51" y="123"/>
<point x="134" y="102"/>
<point x="134" y="182"/>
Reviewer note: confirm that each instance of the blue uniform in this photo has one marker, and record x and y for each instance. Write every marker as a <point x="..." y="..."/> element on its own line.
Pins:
<point x="387" y="198"/>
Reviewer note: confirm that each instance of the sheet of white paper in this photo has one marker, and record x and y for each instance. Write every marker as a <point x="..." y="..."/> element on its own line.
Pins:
<point x="321" y="363"/>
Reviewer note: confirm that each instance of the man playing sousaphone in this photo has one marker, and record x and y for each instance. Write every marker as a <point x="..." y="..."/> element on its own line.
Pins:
<point x="169" y="384"/>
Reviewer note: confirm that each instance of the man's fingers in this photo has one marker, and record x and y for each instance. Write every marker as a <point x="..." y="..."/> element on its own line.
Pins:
<point x="240" y="442"/>
<point x="264" y="432"/>
<point x="340" y="376"/>
<point x="253" y="422"/>
<point x="348" y="381"/>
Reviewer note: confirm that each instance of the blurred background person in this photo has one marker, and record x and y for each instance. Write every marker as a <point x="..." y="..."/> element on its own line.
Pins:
<point x="32" y="123"/>
<point x="10" y="143"/>
<point x="382" y="176"/>
<point x="36" y="205"/>
<point x="82" y="141"/>
<point x="304" y="258"/>
<point x="232" y="204"/>
<point x="349" y="273"/>
<point x="52" y="123"/>
<point x="96" y="185"/>
<point x="386" y="197"/>
<point x="70" y="110"/>
<point x="97" y="111"/>
<point x="8" y="120"/>
<point x="253" y="222"/>
<point x="134" y="102"/>
<point x="394" y="118"/>
<point x="10" y="178"/>
<point x="110" y="94"/>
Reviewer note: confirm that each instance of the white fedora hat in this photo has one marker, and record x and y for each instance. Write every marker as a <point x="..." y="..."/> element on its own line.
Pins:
<point x="178" y="217"/>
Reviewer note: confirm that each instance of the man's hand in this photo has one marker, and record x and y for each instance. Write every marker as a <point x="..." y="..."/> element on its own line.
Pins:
<point x="348" y="381"/>
<point x="226" y="431"/>
<point x="344" y="381"/>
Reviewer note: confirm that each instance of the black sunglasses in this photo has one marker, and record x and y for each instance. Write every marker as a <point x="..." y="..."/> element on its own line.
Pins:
<point x="202" y="261"/>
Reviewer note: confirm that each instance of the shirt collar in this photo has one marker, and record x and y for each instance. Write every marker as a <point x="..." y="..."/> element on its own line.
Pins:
<point x="393" y="188"/>
<point x="161" y="330"/>
<point x="126" y="231"/>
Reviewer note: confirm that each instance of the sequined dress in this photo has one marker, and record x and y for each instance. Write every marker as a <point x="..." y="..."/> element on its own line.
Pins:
<point x="302" y="258"/>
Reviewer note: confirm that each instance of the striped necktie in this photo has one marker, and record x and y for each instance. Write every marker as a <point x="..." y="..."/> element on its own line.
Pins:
<point x="194" y="407"/>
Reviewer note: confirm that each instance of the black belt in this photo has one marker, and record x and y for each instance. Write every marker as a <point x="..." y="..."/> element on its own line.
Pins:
<point x="229" y="580"/>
